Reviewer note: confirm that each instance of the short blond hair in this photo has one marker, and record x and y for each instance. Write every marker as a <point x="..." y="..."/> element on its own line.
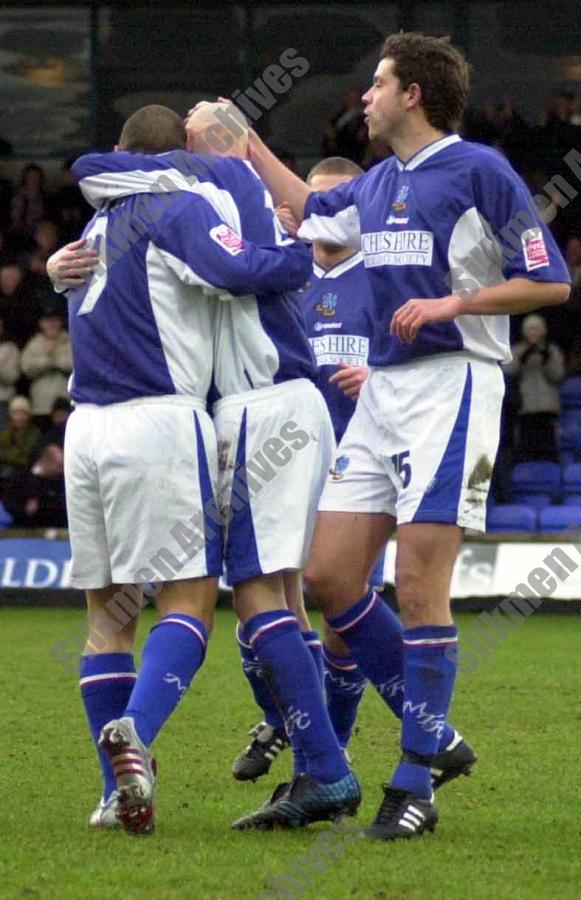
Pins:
<point x="335" y="165"/>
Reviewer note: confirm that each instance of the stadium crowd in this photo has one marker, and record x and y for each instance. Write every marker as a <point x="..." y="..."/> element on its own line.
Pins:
<point x="35" y="352"/>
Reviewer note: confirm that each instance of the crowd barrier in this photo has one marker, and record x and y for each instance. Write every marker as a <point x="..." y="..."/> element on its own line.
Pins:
<point x="35" y="570"/>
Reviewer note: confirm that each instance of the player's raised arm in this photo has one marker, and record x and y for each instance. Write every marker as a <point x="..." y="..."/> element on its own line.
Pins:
<point x="202" y="249"/>
<point x="284" y="185"/>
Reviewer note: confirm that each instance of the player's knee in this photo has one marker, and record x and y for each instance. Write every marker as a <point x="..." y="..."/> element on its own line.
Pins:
<point x="411" y="592"/>
<point x="319" y="584"/>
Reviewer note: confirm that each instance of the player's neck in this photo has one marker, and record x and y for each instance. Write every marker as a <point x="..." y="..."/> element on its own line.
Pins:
<point x="327" y="256"/>
<point x="414" y="138"/>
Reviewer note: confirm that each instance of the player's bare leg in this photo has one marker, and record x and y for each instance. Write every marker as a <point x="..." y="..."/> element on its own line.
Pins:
<point x="196" y="597"/>
<point x="295" y="598"/>
<point x="344" y="550"/>
<point x="172" y="655"/>
<point x="108" y="632"/>
<point x="424" y="563"/>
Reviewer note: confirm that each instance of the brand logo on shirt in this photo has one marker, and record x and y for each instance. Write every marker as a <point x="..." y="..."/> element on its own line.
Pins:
<point x="328" y="305"/>
<point x="228" y="239"/>
<point x="399" y="204"/>
<point x="534" y="248"/>
<point x="397" y="248"/>
<point x="397" y="220"/>
<point x="323" y="326"/>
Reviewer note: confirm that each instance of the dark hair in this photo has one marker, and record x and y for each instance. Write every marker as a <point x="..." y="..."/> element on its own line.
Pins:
<point x="335" y="165"/>
<point x="153" y="129"/>
<point x="31" y="167"/>
<point x="439" y="68"/>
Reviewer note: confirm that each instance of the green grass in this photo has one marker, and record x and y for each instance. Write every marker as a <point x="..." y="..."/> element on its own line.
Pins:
<point x="510" y="831"/>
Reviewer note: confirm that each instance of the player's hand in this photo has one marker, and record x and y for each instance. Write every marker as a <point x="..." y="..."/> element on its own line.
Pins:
<point x="349" y="379"/>
<point x="410" y="317"/>
<point x="287" y="219"/>
<point x="70" y="266"/>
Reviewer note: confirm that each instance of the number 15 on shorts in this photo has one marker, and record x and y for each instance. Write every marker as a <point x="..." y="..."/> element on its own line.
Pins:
<point x="402" y="467"/>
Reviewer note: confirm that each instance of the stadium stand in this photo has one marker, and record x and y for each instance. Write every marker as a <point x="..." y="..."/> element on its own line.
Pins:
<point x="511" y="517"/>
<point x="558" y="518"/>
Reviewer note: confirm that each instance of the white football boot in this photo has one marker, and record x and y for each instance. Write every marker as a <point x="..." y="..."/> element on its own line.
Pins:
<point x="134" y="769"/>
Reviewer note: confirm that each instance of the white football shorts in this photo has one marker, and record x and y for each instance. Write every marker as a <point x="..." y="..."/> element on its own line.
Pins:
<point x="275" y="447"/>
<point x="422" y="442"/>
<point x="141" y="482"/>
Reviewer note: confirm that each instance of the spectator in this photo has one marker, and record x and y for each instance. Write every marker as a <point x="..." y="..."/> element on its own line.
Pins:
<point x="481" y="125"/>
<point x="61" y="410"/>
<point x="11" y="284"/>
<point x="36" y="498"/>
<point x="47" y="237"/>
<point x="19" y="304"/>
<point x="539" y="367"/>
<point x="71" y="209"/>
<point x="19" y="440"/>
<point x="47" y="361"/>
<point x="513" y="133"/>
<point x="28" y="203"/>
<point x="346" y="134"/>
<point x="9" y="372"/>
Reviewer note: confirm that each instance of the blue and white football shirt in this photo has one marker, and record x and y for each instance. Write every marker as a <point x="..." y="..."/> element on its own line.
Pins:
<point x="259" y="339"/>
<point x="338" y="305"/>
<point x="143" y="326"/>
<point x="454" y="216"/>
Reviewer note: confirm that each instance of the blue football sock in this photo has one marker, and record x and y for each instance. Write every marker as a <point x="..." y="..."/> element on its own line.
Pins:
<point x="106" y="682"/>
<point x="258" y="686"/>
<point x="344" y="686"/>
<point x="312" y="640"/>
<point x="373" y="634"/>
<point x="288" y="668"/>
<point x="174" y="652"/>
<point x="430" y="672"/>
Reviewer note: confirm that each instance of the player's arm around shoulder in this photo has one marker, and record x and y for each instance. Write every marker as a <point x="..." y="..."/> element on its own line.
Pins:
<point x="204" y="250"/>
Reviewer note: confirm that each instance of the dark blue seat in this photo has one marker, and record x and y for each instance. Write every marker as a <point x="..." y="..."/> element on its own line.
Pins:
<point x="570" y="437"/>
<point x="537" y="501"/>
<point x="511" y="517"/>
<point x="536" y="478"/>
<point x="571" y="419"/>
<point x="572" y="479"/>
<point x="571" y="393"/>
<point x="5" y="517"/>
<point x="572" y="500"/>
<point x="559" y="518"/>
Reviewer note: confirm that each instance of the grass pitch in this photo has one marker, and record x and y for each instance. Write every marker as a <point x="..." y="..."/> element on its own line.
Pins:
<point x="512" y="830"/>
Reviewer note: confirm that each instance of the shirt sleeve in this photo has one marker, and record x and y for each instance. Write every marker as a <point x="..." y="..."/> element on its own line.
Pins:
<point x="333" y="216"/>
<point x="528" y="247"/>
<point x="203" y="250"/>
